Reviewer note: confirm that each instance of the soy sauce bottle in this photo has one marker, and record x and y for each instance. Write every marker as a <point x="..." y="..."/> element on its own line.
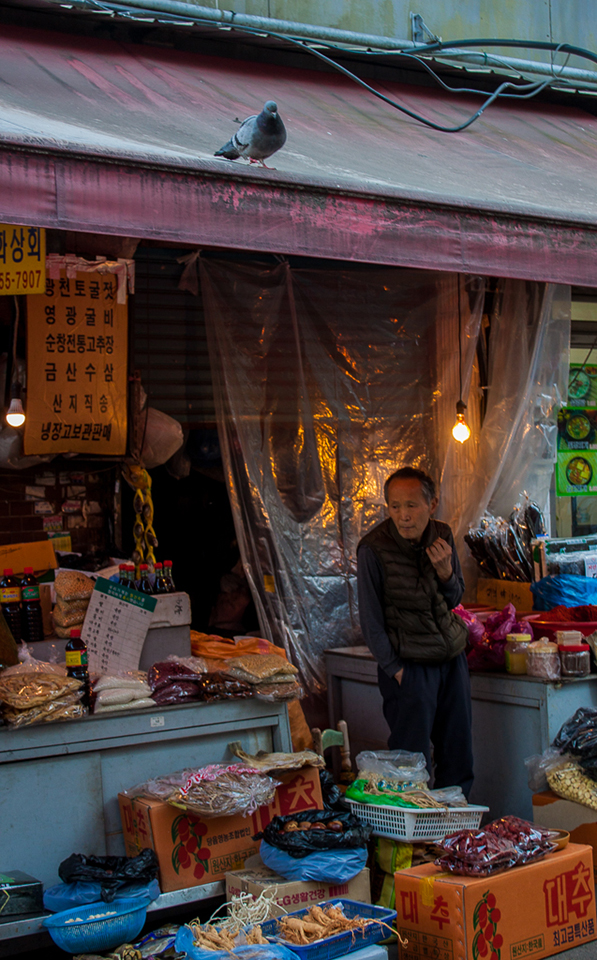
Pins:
<point x="161" y="584"/>
<point x="143" y="584"/>
<point x="10" y="600"/>
<point x="76" y="663"/>
<point x="32" y="619"/>
<point x="168" y="576"/>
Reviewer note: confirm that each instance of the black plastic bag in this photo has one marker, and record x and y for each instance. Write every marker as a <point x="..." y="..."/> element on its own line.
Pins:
<point x="112" y="872"/>
<point x="578" y="735"/>
<point x="330" y="791"/>
<point x="300" y="843"/>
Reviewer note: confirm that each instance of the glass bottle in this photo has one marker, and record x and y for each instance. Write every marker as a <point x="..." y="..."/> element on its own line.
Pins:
<point x="10" y="600"/>
<point x="168" y="576"/>
<point x="143" y="584"/>
<point x="161" y="584"/>
<point x="32" y="619"/>
<point x="76" y="663"/>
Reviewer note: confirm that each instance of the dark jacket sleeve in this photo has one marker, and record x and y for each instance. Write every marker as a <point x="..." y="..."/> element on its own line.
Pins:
<point x="453" y="589"/>
<point x="371" y="615"/>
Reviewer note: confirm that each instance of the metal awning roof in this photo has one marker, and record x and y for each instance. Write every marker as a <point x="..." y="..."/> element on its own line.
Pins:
<point x="119" y="139"/>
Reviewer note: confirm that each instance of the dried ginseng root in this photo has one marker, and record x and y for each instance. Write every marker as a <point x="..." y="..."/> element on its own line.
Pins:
<point x="208" y="937"/>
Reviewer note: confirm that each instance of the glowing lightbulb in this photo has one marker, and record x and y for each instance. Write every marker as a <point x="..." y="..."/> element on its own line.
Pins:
<point x="461" y="430"/>
<point x="15" y="414"/>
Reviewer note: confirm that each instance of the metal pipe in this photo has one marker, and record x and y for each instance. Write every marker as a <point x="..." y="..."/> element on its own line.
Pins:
<point x="194" y="11"/>
<point x="182" y="8"/>
<point x="524" y="66"/>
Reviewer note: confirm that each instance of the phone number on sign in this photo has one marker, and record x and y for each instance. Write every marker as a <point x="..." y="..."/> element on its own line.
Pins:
<point x="19" y="280"/>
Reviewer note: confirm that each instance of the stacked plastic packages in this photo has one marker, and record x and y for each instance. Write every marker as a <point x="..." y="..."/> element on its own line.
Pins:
<point x="73" y="593"/>
<point x="36" y="696"/>
<point x="124" y="691"/>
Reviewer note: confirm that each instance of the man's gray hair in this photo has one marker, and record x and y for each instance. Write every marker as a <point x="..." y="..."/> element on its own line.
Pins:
<point x="411" y="473"/>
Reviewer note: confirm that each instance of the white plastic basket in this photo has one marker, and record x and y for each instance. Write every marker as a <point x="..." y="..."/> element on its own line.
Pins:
<point x="398" y="823"/>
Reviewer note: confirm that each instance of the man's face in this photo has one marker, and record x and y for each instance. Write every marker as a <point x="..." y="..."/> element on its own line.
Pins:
<point x="409" y="509"/>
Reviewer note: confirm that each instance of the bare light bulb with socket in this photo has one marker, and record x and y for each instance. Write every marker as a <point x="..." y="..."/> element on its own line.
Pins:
<point x="461" y="430"/>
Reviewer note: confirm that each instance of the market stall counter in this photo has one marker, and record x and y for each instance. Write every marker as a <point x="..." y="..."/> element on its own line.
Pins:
<point x="60" y="781"/>
<point x="513" y="718"/>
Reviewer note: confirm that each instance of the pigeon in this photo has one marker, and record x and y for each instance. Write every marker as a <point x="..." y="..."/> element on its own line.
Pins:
<point x="257" y="137"/>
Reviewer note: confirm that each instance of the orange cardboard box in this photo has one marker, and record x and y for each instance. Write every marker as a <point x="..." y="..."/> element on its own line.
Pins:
<point x="498" y="593"/>
<point x="553" y="812"/>
<point x="40" y="555"/>
<point x="533" y="911"/>
<point x="192" y="851"/>
<point x="287" y="895"/>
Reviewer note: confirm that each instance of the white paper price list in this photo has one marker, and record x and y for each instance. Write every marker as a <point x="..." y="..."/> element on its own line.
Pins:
<point x="115" y="627"/>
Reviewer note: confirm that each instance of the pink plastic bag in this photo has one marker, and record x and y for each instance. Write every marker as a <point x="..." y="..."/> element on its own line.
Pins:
<point x="475" y="627"/>
<point x="488" y="652"/>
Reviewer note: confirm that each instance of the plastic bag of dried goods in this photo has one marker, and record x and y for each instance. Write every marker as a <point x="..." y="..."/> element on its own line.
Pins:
<point x="255" y="667"/>
<point x="24" y="690"/>
<point x="68" y="707"/>
<point x="120" y="681"/>
<point x="64" y="617"/>
<point x="218" y="790"/>
<point x="165" y="672"/>
<point x="312" y="830"/>
<point x="394" y="766"/>
<point x="115" y="707"/>
<point x="476" y="853"/>
<point x="278" y="692"/>
<point x="73" y="586"/>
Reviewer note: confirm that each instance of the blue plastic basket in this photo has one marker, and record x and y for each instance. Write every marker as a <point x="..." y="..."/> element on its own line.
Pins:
<point x="93" y="936"/>
<point x="341" y="943"/>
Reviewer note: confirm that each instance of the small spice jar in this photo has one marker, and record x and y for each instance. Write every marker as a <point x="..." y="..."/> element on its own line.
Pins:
<point x="575" y="659"/>
<point x="543" y="660"/>
<point x="516" y="652"/>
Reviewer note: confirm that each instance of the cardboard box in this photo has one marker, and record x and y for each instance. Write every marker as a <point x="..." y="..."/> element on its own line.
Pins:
<point x="499" y="593"/>
<point x="533" y="911"/>
<point x="551" y="811"/>
<point x="39" y="555"/>
<point x="192" y="851"/>
<point x="293" y="894"/>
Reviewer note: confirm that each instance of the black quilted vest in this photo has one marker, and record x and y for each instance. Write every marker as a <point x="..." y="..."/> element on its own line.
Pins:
<point x="418" y="621"/>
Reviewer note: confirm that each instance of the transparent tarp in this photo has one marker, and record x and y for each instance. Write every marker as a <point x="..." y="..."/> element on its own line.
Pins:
<point x="515" y="449"/>
<point x="326" y="380"/>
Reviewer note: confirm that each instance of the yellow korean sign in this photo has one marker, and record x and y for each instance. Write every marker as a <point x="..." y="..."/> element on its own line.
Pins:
<point x="22" y="259"/>
<point x="77" y="341"/>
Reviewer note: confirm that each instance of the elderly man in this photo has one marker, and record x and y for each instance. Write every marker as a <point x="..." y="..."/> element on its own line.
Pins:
<point x="409" y="581"/>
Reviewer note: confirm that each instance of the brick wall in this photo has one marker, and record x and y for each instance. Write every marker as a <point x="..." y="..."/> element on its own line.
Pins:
<point x="79" y="499"/>
<point x="18" y="523"/>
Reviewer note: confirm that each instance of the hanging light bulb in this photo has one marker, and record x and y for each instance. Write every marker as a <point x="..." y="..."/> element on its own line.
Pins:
<point x="461" y="430"/>
<point x="15" y="415"/>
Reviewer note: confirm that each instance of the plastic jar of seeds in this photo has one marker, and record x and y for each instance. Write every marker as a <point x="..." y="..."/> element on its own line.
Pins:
<point x="516" y="652"/>
<point x="575" y="659"/>
<point x="543" y="660"/>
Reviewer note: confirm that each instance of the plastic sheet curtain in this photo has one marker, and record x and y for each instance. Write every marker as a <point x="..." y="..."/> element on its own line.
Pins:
<point x="326" y="380"/>
<point x="516" y="448"/>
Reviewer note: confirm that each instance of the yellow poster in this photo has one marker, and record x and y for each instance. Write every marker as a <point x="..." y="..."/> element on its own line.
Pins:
<point x="22" y="259"/>
<point x="77" y="339"/>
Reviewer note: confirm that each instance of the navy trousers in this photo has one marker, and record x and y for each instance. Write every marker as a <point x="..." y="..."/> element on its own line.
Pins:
<point x="432" y="705"/>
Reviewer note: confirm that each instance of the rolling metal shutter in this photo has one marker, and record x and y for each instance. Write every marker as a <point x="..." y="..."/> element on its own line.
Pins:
<point x="169" y="344"/>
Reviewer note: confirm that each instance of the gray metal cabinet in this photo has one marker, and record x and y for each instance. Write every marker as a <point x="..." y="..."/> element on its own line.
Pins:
<point x="59" y="782"/>
<point x="513" y="718"/>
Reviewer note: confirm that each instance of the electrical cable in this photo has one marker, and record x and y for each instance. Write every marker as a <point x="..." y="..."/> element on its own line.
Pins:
<point x="531" y="89"/>
<point x="459" y="342"/>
